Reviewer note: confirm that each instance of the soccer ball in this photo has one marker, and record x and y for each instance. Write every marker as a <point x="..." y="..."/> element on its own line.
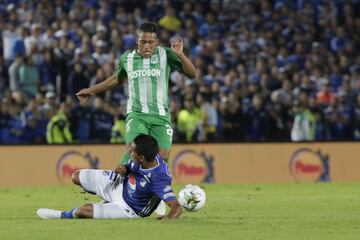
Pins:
<point x="192" y="198"/>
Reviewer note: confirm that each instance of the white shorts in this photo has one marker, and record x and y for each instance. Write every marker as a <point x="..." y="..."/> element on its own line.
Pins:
<point x="102" y="183"/>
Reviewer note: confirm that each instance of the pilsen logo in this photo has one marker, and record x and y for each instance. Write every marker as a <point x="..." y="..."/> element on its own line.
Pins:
<point x="190" y="166"/>
<point x="307" y="165"/>
<point x="71" y="161"/>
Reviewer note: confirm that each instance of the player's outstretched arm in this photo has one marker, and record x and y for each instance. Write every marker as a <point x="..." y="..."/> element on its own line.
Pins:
<point x="175" y="210"/>
<point x="188" y="68"/>
<point x="108" y="84"/>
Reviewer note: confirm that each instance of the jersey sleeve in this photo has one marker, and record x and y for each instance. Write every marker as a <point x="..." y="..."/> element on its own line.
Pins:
<point x="173" y="60"/>
<point x="121" y="71"/>
<point x="161" y="186"/>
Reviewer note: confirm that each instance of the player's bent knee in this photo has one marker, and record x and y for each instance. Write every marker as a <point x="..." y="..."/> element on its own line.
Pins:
<point x="164" y="153"/>
<point x="75" y="177"/>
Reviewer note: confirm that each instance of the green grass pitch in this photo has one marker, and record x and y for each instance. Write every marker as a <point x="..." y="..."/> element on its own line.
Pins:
<point x="258" y="211"/>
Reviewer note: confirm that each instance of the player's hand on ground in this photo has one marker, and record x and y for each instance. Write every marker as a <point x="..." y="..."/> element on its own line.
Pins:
<point x="160" y="217"/>
<point x="83" y="95"/>
<point x="177" y="45"/>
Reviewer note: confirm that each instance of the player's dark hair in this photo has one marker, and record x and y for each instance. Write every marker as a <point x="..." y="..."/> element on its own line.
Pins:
<point x="148" y="27"/>
<point x="147" y="146"/>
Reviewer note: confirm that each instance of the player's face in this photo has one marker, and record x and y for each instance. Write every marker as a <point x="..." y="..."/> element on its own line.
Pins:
<point x="133" y="154"/>
<point x="146" y="42"/>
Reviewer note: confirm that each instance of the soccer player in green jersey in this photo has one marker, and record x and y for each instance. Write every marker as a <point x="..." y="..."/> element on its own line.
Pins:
<point x="147" y="69"/>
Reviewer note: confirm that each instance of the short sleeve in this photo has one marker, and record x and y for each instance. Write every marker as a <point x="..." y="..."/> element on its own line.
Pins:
<point x="161" y="186"/>
<point x="173" y="60"/>
<point x="121" y="71"/>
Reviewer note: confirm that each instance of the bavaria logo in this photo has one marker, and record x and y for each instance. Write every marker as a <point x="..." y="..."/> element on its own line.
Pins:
<point x="190" y="166"/>
<point x="71" y="161"/>
<point x="307" y="165"/>
<point x="132" y="183"/>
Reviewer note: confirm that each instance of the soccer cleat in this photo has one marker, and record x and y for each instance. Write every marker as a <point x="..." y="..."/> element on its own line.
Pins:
<point x="161" y="209"/>
<point x="46" y="213"/>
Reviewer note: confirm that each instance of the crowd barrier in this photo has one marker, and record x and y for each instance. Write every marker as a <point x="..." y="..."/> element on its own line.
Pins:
<point x="190" y="163"/>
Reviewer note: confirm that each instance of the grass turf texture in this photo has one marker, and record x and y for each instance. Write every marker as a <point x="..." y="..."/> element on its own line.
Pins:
<point x="262" y="211"/>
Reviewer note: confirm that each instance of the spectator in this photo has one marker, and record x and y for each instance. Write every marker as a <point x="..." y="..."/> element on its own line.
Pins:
<point x="336" y="77"/>
<point x="49" y="103"/>
<point x="304" y="125"/>
<point x="33" y="132"/>
<point x="348" y="94"/>
<point x="170" y="22"/>
<point x="189" y="121"/>
<point x="278" y="118"/>
<point x="325" y="96"/>
<point x="80" y="122"/>
<point x="4" y="76"/>
<point x="210" y="28"/>
<point x="14" y="73"/>
<point x="77" y="79"/>
<point x="100" y="55"/>
<point x="58" y="129"/>
<point x="47" y="72"/>
<point x="339" y="42"/>
<point x="321" y="131"/>
<point x="232" y="118"/>
<point x="29" y="78"/>
<point x="357" y="115"/>
<point x="256" y="119"/>
<point x="19" y="45"/>
<point x="5" y="118"/>
<point x="209" y="116"/>
<point x="153" y="11"/>
<point x="346" y="115"/>
<point x="102" y="122"/>
<point x="118" y="129"/>
<point x="9" y="37"/>
<point x="90" y="23"/>
<point x="33" y="43"/>
<point x="15" y="124"/>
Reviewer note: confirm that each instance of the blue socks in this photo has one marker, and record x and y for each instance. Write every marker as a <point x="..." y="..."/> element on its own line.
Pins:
<point x="69" y="214"/>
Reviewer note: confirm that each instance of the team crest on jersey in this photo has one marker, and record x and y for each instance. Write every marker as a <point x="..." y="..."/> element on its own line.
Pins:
<point x="154" y="59"/>
<point x="142" y="182"/>
<point x="132" y="183"/>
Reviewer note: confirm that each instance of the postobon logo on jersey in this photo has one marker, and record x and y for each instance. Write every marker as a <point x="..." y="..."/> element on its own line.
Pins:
<point x="307" y="165"/>
<point x="71" y="161"/>
<point x="145" y="73"/>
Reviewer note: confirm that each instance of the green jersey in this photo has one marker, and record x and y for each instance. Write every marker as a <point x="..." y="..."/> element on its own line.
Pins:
<point x="148" y="80"/>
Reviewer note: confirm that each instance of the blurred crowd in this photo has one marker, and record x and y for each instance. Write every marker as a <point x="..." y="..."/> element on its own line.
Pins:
<point x="267" y="70"/>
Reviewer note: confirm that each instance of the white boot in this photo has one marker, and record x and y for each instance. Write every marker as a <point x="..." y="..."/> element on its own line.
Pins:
<point x="161" y="209"/>
<point x="46" y="213"/>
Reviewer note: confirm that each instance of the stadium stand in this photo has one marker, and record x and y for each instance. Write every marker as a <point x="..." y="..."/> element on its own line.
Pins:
<point x="276" y="70"/>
